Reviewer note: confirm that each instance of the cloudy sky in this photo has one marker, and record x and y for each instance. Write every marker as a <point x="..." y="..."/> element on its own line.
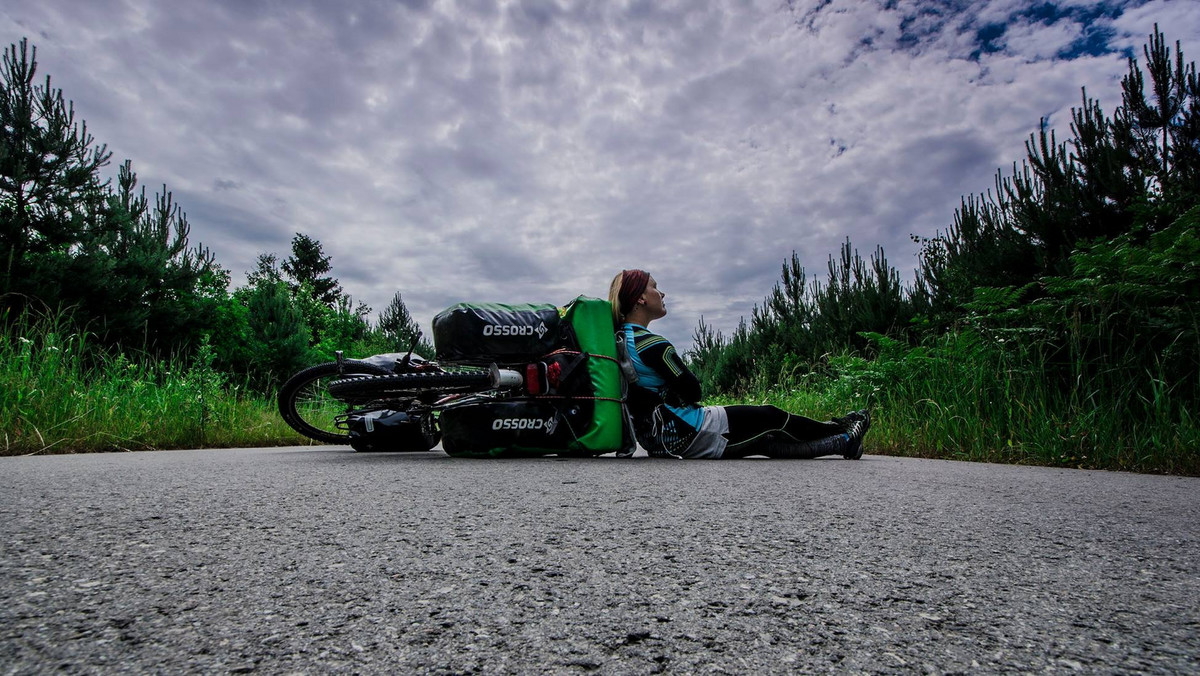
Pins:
<point x="526" y="151"/>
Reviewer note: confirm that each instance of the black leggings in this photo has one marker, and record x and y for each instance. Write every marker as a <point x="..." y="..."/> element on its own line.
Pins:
<point x="752" y="427"/>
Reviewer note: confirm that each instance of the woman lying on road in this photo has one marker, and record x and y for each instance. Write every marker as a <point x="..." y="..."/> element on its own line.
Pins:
<point x="665" y="406"/>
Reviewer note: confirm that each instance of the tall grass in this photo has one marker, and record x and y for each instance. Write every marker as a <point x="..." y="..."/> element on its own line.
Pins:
<point x="964" y="396"/>
<point x="969" y="397"/>
<point x="60" y="394"/>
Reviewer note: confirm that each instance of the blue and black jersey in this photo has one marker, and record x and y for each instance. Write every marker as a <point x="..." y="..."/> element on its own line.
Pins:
<point x="665" y="401"/>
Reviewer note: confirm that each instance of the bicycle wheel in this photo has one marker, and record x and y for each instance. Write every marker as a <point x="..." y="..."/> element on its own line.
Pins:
<point x="409" y="383"/>
<point x="307" y="406"/>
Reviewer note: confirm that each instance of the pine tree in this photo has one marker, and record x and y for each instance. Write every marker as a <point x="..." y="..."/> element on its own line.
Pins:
<point x="1139" y="170"/>
<point x="50" y="190"/>
<point x="61" y="224"/>
<point x="1161" y="129"/>
<point x="308" y="265"/>
<point x="143" y="273"/>
<point x="278" y="336"/>
<point x="266" y="270"/>
<point x="397" y="325"/>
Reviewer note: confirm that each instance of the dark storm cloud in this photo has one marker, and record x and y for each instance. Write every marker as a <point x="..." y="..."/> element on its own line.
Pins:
<point x="528" y="150"/>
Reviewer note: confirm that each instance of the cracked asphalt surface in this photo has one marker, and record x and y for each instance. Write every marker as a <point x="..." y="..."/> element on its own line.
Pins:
<point x="321" y="560"/>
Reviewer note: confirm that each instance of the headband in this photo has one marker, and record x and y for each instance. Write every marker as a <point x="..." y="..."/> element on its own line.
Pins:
<point x="633" y="285"/>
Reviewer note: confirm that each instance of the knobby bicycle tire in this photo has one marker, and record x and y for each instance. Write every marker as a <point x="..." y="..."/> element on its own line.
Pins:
<point x="399" y="383"/>
<point x="305" y="402"/>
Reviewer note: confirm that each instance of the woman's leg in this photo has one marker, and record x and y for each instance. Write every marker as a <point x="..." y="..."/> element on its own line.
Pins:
<point x="750" y="423"/>
<point x="771" y="431"/>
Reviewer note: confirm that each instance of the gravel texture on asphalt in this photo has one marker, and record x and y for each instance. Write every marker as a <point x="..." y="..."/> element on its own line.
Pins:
<point x="322" y="560"/>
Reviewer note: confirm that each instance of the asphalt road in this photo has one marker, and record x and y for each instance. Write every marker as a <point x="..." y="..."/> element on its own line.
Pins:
<point x="289" y="560"/>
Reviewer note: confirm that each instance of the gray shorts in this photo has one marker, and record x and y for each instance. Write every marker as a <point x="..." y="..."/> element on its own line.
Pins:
<point x="710" y="441"/>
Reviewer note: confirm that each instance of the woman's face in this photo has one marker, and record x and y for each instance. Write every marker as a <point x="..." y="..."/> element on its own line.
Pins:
<point x="655" y="305"/>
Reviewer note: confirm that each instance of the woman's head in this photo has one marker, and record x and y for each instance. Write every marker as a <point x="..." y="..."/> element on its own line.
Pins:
<point x="635" y="297"/>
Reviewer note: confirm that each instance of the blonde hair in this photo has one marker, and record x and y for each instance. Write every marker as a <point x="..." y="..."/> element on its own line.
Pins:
<point x="614" y="299"/>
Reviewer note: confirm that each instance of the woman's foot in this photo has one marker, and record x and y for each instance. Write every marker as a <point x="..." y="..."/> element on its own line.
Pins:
<point x="856" y="424"/>
<point x="846" y="420"/>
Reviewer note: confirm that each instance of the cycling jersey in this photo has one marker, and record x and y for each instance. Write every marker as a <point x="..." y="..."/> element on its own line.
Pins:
<point x="664" y="402"/>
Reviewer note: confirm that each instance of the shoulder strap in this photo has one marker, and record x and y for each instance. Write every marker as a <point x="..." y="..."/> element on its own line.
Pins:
<point x="628" y="372"/>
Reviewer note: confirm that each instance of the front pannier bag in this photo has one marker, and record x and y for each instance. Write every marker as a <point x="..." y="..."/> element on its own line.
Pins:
<point x="389" y="431"/>
<point x="579" y="410"/>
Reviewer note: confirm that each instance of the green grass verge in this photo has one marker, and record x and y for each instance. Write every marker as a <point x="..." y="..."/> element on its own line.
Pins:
<point x="59" y="395"/>
<point x="959" y="400"/>
<point x="964" y="400"/>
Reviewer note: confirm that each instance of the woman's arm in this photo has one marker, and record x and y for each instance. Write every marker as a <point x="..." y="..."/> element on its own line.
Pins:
<point x="660" y="355"/>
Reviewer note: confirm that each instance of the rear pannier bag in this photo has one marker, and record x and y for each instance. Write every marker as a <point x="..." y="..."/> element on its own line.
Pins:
<point x="493" y="332"/>
<point x="518" y="426"/>
<point x="580" y="412"/>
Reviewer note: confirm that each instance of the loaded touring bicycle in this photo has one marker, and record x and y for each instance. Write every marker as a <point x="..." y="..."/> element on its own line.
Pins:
<point x="526" y="379"/>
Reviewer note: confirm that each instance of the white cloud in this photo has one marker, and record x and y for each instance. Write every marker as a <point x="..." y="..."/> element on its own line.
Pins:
<point x="528" y="151"/>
